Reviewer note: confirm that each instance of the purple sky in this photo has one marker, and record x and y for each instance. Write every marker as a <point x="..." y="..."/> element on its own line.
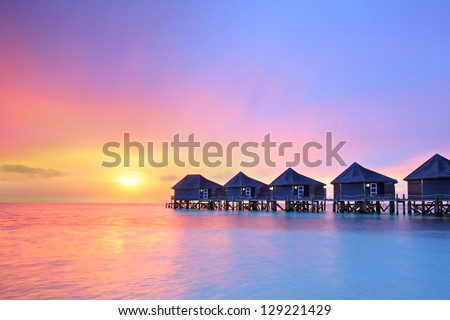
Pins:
<point x="73" y="76"/>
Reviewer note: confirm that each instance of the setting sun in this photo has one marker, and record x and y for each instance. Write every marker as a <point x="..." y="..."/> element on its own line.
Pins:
<point x="130" y="181"/>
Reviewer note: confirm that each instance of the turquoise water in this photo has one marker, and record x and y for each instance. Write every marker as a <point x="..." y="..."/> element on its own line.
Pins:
<point x="149" y="252"/>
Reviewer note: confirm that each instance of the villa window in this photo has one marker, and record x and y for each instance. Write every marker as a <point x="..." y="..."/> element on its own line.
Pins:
<point x="373" y="189"/>
<point x="301" y="191"/>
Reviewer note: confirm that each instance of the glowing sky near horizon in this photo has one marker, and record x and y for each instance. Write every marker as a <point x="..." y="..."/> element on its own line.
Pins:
<point x="76" y="75"/>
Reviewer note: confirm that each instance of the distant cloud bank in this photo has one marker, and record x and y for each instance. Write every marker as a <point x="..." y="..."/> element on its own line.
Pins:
<point x="168" y="178"/>
<point x="31" y="172"/>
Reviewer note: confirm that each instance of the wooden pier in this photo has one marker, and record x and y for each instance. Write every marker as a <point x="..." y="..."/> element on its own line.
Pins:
<point x="440" y="206"/>
<point x="252" y="204"/>
<point x="363" y="206"/>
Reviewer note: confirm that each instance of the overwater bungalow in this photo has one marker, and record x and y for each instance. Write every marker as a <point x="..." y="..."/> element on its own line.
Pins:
<point x="242" y="187"/>
<point x="360" y="190"/>
<point x="431" y="180"/>
<point x="356" y="189"/>
<point x="197" y="187"/>
<point x="292" y="185"/>
<point x="357" y="182"/>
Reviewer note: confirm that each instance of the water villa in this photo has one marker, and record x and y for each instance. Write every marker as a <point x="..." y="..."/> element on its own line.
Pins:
<point x="242" y="187"/>
<point x="359" y="189"/>
<point x="243" y="192"/>
<point x="196" y="192"/>
<point x="300" y="192"/>
<point x="355" y="190"/>
<point x="429" y="187"/>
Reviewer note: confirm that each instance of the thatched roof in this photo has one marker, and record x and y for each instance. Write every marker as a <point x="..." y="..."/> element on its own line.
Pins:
<point x="291" y="177"/>
<point x="357" y="173"/>
<point x="435" y="167"/>
<point x="196" y="181"/>
<point x="241" y="180"/>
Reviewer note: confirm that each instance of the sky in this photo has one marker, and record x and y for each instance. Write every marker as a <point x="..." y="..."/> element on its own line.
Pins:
<point x="74" y="76"/>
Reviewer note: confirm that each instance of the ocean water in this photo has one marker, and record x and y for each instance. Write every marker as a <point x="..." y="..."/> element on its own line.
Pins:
<point x="79" y="251"/>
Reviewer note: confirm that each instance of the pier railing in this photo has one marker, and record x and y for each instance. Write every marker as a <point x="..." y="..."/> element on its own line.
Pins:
<point x="261" y="198"/>
<point x="429" y="197"/>
<point x="365" y="197"/>
<point x="435" y="204"/>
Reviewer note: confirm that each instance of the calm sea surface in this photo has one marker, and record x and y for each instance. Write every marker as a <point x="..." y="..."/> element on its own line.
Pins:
<point x="54" y="251"/>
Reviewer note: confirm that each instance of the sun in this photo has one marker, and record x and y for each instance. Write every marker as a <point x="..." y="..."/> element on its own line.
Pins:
<point x="129" y="181"/>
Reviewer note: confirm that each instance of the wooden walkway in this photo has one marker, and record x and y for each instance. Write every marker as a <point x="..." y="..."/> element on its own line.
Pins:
<point x="397" y="205"/>
<point x="296" y="205"/>
<point x="436" y="206"/>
